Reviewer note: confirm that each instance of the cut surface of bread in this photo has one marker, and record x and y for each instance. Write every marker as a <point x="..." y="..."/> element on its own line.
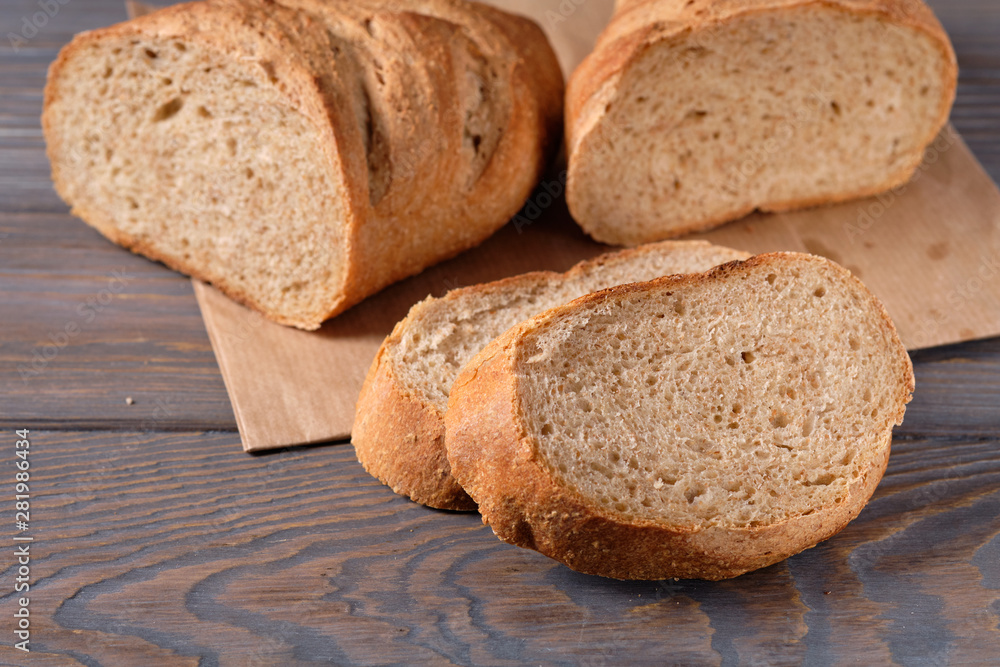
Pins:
<point x="303" y="154"/>
<point x="399" y="427"/>
<point x="694" y="426"/>
<point x="691" y="114"/>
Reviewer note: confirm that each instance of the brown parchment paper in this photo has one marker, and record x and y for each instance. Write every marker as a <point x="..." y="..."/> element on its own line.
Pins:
<point x="930" y="250"/>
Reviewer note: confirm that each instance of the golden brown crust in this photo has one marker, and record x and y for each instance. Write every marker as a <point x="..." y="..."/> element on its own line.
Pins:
<point x="531" y="98"/>
<point x="402" y="442"/>
<point x="639" y="24"/>
<point x="428" y="214"/>
<point x="497" y="462"/>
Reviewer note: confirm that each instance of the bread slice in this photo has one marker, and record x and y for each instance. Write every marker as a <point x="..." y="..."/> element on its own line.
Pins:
<point x="693" y="426"/>
<point x="692" y="113"/>
<point x="399" y="427"/>
<point x="302" y="154"/>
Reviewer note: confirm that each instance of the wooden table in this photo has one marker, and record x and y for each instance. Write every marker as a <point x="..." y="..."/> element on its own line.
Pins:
<point x="157" y="541"/>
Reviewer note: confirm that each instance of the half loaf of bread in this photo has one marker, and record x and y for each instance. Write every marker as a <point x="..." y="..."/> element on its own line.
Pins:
<point x="302" y="154"/>
<point x="690" y="113"/>
<point x="399" y="426"/>
<point x="693" y="426"/>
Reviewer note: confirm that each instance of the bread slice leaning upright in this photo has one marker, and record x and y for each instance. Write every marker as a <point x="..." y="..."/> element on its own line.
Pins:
<point x="688" y="114"/>
<point x="301" y="155"/>
<point x="694" y="426"/>
<point x="398" y="429"/>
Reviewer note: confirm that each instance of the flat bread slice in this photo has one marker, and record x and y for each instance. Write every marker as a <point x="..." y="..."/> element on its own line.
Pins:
<point x="399" y="428"/>
<point x="695" y="426"/>
<point x="691" y="113"/>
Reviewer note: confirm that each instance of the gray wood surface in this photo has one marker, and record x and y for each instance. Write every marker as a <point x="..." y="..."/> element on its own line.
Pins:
<point x="171" y="549"/>
<point x="157" y="541"/>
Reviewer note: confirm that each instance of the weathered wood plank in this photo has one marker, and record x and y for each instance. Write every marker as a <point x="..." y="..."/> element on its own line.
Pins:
<point x="159" y="548"/>
<point x="178" y="548"/>
<point x="149" y="341"/>
<point x="958" y="391"/>
<point x="84" y="325"/>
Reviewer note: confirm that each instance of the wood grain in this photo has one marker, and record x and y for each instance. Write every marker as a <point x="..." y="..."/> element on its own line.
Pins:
<point x="179" y="549"/>
<point x="159" y="543"/>
<point x="86" y="325"/>
<point x="958" y="392"/>
<point x="973" y="26"/>
<point x="51" y="264"/>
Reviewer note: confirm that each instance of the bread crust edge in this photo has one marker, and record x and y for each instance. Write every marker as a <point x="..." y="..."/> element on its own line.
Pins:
<point x="400" y="439"/>
<point x="531" y="137"/>
<point x="600" y="72"/>
<point x="399" y="436"/>
<point x="527" y="507"/>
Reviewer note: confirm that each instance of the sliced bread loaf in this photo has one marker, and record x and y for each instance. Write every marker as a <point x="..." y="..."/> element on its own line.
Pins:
<point x="692" y="113"/>
<point x="693" y="426"/>
<point x="302" y="154"/>
<point x="399" y="427"/>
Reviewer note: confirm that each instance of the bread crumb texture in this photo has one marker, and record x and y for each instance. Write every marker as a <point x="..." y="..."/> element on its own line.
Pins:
<point x="757" y="106"/>
<point x="743" y="400"/>
<point x="442" y="335"/>
<point x="301" y="155"/>
<point x="399" y="426"/>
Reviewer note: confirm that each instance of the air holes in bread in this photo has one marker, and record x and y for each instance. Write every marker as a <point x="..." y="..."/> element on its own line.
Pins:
<point x="168" y="110"/>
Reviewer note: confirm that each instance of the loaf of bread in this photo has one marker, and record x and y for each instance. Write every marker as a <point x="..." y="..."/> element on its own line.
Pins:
<point x="302" y="154"/>
<point x="399" y="426"/>
<point x="690" y="113"/>
<point x="693" y="426"/>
